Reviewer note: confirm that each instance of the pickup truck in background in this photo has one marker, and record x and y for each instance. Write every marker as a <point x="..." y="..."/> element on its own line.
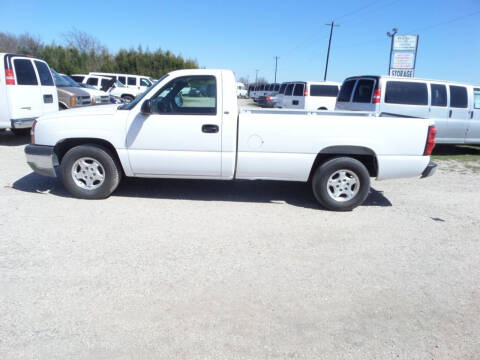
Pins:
<point x="168" y="133"/>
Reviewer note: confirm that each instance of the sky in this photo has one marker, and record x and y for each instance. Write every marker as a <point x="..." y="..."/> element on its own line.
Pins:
<point x="246" y="35"/>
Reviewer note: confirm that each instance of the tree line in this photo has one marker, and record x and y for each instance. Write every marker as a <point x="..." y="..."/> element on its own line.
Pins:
<point x="83" y="53"/>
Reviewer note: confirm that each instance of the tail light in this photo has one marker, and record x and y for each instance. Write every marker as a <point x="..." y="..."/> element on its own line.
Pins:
<point x="377" y="94"/>
<point x="432" y="132"/>
<point x="305" y="92"/>
<point x="268" y="98"/>
<point x="9" y="77"/>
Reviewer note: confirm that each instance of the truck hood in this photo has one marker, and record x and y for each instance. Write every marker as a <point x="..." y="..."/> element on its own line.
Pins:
<point x="80" y="112"/>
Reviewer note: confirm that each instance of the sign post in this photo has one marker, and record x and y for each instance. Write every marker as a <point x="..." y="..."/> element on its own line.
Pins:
<point x="403" y="55"/>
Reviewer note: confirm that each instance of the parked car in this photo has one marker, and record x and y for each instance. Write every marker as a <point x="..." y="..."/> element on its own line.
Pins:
<point x="98" y="96"/>
<point x="309" y="95"/>
<point x="27" y="91"/>
<point x="137" y="83"/>
<point x="70" y="95"/>
<point x="241" y="90"/>
<point x="107" y="84"/>
<point x="455" y="107"/>
<point x="159" y="136"/>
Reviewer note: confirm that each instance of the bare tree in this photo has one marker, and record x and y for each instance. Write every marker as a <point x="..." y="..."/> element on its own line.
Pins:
<point x="83" y="42"/>
<point x="24" y="43"/>
<point x="244" y="80"/>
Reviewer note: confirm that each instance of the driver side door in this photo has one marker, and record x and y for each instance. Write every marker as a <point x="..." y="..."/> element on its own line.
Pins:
<point x="182" y="135"/>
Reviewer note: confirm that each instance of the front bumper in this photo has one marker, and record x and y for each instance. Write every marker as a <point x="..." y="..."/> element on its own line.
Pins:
<point x="42" y="159"/>
<point x="22" y="123"/>
<point x="429" y="170"/>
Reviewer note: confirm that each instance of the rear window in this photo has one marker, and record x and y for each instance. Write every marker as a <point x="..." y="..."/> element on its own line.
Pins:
<point x="363" y="92"/>
<point x="25" y="73"/>
<point x="92" y="81"/>
<point x="346" y="91"/>
<point x="289" y="89"/>
<point x="439" y="95"/>
<point x="458" y="97"/>
<point x="406" y="93"/>
<point x="132" y="81"/>
<point x="44" y="74"/>
<point x="324" y="90"/>
<point x="282" y="88"/>
<point x="298" y="91"/>
<point x="122" y="80"/>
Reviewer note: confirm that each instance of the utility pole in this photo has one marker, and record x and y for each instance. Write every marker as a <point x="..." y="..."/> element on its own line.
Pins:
<point x="276" y="64"/>
<point x="332" y="24"/>
<point x="256" y="76"/>
<point x="392" y="35"/>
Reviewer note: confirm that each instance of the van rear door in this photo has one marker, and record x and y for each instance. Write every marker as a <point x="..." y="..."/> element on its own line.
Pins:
<point x="25" y="96"/>
<point x="297" y="100"/>
<point x="473" y="134"/>
<point x="459" y="113"/>
<point x="47" y="87"/>
<point x="439" y="110"/>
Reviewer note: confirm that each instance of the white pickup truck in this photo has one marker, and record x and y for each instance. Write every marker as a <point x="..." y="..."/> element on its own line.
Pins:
<point x="169" y="132"/>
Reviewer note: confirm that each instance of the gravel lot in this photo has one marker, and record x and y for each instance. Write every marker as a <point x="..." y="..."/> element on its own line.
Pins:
<point x="238" y="270"/>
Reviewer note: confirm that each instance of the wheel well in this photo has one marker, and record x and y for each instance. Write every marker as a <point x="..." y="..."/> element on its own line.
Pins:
<point x="62" y="106"/>
<point x="366" y="156"/>
<point x="63" y="146"/>
<point x="322" y="108"/>
<point x="128" y="95"/>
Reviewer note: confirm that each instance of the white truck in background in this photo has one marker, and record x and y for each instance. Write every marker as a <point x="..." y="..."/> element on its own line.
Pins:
<point x="168" y="133"/>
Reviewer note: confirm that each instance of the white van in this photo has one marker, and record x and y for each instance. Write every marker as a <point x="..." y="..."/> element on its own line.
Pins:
<point x="309" y="95"/>
<point x="241" y="90"/>
<point x="104" y="83"/>
<point x="138" y="83"/>
<point x="27" y="91"/>
<point x="455" y="107"/>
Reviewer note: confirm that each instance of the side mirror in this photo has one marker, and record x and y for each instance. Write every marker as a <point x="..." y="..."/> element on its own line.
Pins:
<point x="146" y="108"/>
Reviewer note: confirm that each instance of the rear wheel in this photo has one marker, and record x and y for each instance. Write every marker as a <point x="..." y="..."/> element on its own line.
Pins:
<point x="90" y="172"/>
<point x="341" y="184"/>
<point x="127" y="98"/>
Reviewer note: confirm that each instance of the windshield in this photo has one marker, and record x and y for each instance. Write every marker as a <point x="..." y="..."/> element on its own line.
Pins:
<point x="87" y="86"/>
<point x="70" y="81"/>
<point x="60" y="81"/>
<point x="139" y="98"/>
<point x="119" y="84"/>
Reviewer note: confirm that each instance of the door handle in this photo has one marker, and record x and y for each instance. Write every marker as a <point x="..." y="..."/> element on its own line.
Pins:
<point x="294" y="102"/>
<point x="450" y="114"/>
<point x="210" y="128"/>
<point x="471" y="114"/>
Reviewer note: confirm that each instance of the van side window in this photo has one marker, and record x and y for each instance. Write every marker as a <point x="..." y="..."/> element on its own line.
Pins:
<point x="406" y="93"/>
<point x="92" y="81"/>
<point x="122" y="80"/>
<point x="289" y="89"/>
<point x="77" y="78"/>
<point x="364" y="91"/>
<point x="346" y="91"/>
<point x="476" y="98"/>
<point x="282" y="88"/>
<point x="458" y="97"/>
<point x="298" y="91"/>
<point x="439" y="95"/>
<point x="132" y="81"/>
<point x="25" y="73"/>
<point x="104" y="82"/>
<point x="277" y="86"/>
<point x="324" y="90"/>
<point x="44" y="73"/>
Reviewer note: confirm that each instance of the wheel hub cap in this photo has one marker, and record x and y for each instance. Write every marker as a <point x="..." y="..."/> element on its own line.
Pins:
<point x="88" y="173"/>
<point x="343" y="185"/>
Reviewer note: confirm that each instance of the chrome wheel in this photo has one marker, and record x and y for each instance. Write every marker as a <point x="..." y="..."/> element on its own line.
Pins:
<point x="343" y="185"/>
<point x="88" y="173"/>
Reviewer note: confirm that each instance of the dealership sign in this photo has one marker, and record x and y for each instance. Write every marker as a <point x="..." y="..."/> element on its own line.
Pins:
<point x="403" y="55"/>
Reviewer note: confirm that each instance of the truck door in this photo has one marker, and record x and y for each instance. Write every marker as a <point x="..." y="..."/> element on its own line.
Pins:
<point x="47" y="87"/>
<point x="459" y="114"/>
<point x="182" y="136"/>
<point x="25" y="96"/>
<point x="473" y="134"/>
<point x="439" y="110"/>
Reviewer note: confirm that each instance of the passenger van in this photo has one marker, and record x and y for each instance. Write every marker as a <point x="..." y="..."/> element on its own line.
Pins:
<point x="27" y="91"/>
<point x="455" y="107"/>
<point x="309" y="95"/>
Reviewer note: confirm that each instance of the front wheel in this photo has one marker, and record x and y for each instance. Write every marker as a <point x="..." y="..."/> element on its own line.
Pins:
<point x="341" y="184"/>
<point x="89" y="172"/>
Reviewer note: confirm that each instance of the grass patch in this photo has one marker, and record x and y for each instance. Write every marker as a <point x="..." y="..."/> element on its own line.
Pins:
<point x="464" y="153"/>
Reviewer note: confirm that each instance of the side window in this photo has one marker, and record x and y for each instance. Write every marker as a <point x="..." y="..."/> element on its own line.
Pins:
<point x="144" y="82"/>
<point x="364" y="91"/>
<point x="25" y="73"/>
<point x="104" y="82"/>
<point x="132" y="81"/>
<point x="324" y="90"/>
<point x="476" y="96"/>
<point x="196" y="95"/>
<point x="122" y="80"/>
<point x="298" y="91"/>
<point x="44" y="73"/>
<point x="92" y="81"/>
<point x="406" y="93"/>
<point x="439" y="94"/>
<point x="346" y="91"/>
<point x="289" y="90"/>
<point x="282" y="88"/>
<point x="77" y="78"/>
<point x="277" y="86"/>
<point x="458" y="97"/>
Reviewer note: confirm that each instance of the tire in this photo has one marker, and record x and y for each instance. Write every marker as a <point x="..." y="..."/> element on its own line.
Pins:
<point x="84" y="160"/>
<point x="127" y="98"/>
<point x="322" y="108"/>
<point x="329" y="179"/>
<point x="21" y="132"/>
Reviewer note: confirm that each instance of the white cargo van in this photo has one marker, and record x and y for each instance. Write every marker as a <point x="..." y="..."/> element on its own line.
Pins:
<point x="455" y="107"/>
<point x="27" y="91"/>
<point x="138" y="83"/>
<point x="309" y="95"/>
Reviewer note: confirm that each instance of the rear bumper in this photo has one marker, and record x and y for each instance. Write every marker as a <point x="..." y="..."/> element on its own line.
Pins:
<point x="22" y="123"/>
<point x="42" y="159"/>
<point x="429" y="170"/>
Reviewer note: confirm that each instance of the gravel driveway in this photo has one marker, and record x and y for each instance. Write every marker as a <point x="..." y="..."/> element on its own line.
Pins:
<point x="237" y="270"/>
